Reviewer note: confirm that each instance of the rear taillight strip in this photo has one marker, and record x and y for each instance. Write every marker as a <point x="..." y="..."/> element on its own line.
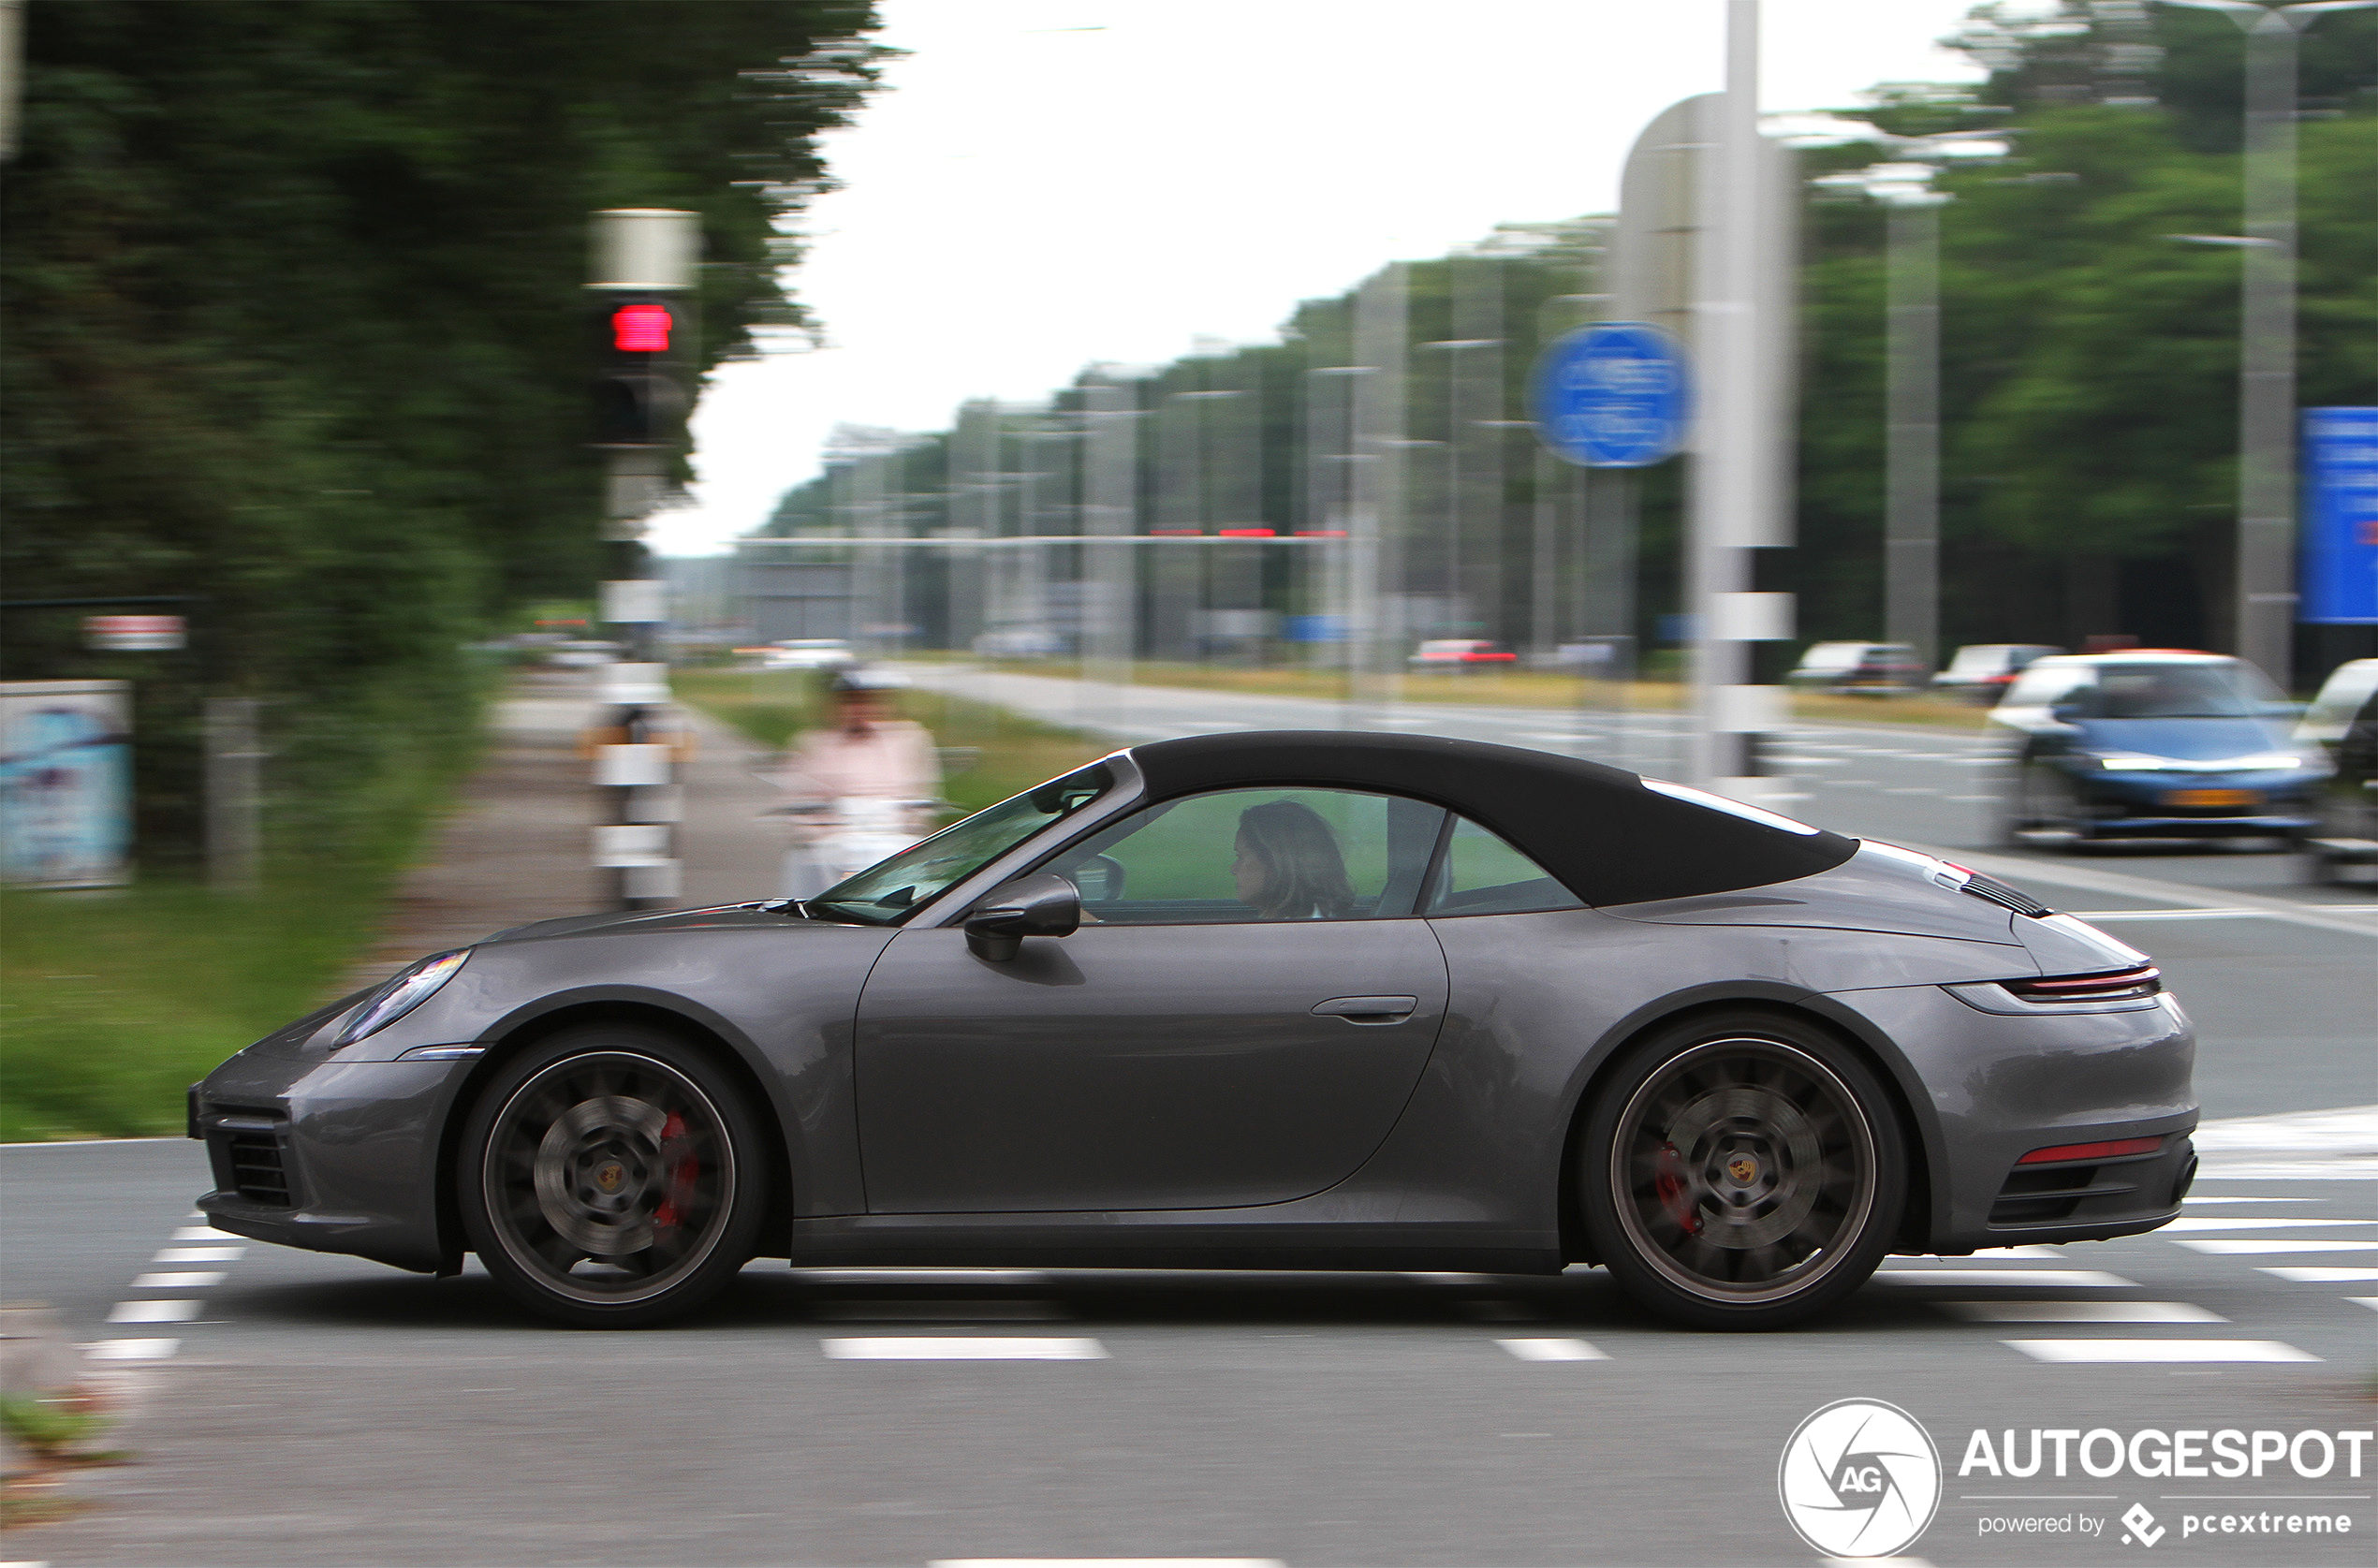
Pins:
<point x="2120" y="985"/>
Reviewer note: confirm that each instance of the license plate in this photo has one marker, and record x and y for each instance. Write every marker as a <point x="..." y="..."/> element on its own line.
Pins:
<point x="2213" y="798"/>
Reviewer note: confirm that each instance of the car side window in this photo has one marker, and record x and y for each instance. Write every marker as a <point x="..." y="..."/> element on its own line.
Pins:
<point x="1483" y="874"/>
<point x="1257" y="854"/>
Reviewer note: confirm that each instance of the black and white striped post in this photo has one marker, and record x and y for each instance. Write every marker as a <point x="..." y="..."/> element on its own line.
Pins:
<point x="643" y="271"/>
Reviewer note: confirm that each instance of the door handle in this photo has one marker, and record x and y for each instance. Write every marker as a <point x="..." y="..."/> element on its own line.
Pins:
<point x="1367" y="1009"/>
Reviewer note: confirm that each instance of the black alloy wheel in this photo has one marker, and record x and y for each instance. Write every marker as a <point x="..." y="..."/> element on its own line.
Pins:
<point x="1742" y="1171"/>
<point x="611" y="1177"/>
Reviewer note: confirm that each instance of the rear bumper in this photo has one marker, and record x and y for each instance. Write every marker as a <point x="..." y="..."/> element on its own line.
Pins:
<point x="1986" y="1089"/>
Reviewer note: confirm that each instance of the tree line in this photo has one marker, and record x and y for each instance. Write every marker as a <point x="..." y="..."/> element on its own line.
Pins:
<point x="2089" y="374"/>
<point x="292" y="322"/>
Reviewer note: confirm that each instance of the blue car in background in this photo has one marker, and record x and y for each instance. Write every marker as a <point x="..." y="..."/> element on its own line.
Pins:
<point x="2153" y="744"/>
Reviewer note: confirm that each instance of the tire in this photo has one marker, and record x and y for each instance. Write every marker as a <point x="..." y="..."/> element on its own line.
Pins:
<point x="1741" y="1170"/>
<point x="611" y="1177"/>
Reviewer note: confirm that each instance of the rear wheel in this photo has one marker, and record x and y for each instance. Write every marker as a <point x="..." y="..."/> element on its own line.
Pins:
<point x="1742" y="1171"/>
<point x="611" y="1177"/>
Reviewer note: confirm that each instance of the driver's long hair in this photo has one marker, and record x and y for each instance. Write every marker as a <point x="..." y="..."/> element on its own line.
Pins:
<point x="1304" y="874"/>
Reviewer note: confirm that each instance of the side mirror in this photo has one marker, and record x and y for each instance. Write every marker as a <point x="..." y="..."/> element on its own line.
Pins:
<point x="1043" y="905"/>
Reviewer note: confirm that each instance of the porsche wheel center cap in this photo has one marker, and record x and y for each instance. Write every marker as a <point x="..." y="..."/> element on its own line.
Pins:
<point x="610" y="1176"/>
<point x="1743" y="1169"/>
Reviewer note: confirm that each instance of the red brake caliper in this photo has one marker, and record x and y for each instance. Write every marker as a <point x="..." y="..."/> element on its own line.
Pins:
<point x="682" y="1173"/>
<point x="1675" y="1192"/>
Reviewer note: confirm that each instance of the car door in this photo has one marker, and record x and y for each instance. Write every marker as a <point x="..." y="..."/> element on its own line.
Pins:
<point x="1198" y="1043"/>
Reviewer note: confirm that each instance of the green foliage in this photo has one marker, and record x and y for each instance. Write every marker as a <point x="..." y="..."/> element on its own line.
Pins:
<point x="291" y="317"/>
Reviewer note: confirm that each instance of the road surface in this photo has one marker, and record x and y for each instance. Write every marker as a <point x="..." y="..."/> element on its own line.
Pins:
<point x="313" y="1410"/>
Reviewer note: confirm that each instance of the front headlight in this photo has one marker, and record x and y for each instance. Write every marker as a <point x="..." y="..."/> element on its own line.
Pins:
<point x="2131" y="762"/>
<point x="400" y="995"/>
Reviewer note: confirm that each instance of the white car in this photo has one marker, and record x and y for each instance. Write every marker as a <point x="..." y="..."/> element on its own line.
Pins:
<point x="815" y="653"/>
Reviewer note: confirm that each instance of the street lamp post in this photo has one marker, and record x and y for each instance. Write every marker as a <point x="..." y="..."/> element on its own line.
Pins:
<point x="2267" y="357"/>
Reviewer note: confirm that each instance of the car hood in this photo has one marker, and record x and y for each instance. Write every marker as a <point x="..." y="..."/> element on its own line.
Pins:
<point x="725" y="915"/>
<point x="2184" y="740"/>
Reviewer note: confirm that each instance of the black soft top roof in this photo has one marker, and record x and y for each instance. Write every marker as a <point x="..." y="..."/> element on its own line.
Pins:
<point x="1606" y="837"/>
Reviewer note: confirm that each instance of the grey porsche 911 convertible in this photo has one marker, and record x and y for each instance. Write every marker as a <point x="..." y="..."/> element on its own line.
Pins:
<point x="1255" y="1000"/>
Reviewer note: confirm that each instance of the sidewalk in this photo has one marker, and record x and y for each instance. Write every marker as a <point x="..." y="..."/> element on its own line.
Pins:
<point x="518" y="843"/>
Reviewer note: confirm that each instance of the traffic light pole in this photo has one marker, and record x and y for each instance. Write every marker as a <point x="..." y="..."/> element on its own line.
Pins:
<point x="643" y="268"/>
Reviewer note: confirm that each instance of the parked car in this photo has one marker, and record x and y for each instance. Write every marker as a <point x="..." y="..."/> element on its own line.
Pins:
<point x="1460" y="653"/>
<point x="2153" y="744"/>
<point x="808" y="652"/>
<point x="1865" y="668"/>
<point x="2343" y="720"/>
<point x="582" y="654"/>
<point x="1295" y="1000"/>
<point x="1984" y="671"/>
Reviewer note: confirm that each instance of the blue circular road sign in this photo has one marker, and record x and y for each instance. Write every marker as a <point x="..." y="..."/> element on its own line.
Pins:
<point x="1612" y="395"/>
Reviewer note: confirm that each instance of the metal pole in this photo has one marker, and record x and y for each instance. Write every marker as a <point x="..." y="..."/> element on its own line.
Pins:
<point x="1912" y="511"/>
<point x="1726" y="520"/>
<point x="2266" y="371"/>
<point x="1111" y="501"/>
<point x="234" y="833"/>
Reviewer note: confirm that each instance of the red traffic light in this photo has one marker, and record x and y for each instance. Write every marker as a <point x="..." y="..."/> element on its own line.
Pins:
<point x="640" y="329"/>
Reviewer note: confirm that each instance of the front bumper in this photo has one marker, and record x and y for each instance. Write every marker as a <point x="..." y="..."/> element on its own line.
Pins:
<point x="2140" y="806"/>
<point x="333" y="1156"/>
<point x="1989" y="1088"/>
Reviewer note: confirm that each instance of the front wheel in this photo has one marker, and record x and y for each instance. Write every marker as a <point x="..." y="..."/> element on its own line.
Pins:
<point x="1742" y="1171"/>
<point x="611" y="1177"/>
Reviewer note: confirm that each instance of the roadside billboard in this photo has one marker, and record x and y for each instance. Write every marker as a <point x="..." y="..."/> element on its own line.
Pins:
<point x="2340" y="517"/>
<point x="66" y="782"/>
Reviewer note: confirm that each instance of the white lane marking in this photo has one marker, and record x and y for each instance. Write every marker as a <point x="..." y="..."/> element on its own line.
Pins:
<point x="939" y="1312"/>
<point x="2250" y="1222"/>
<point x="2250" y="1249"/>
<point x="154" y="1311"/>
<point x="176" y="1282"/>
<point x="2043" y="1279"/>
<point x="933" y="1348"/>
<point x="200" y="1255"/>
<point x="1103" y="1562"/>
<point x="923" y="1276"/>
<point x="2368" y="1301"/>
<point x="1988" y="1254"/>
<point x="2080" y="1312"/>
<point x="204" y="1233"/>
<point x="1915" y="791"/>
<point x="1554" y="1350"/>
<point x="131" y="1350"/>
<point x="2322" y="1276"/>
<point x="2247" y="1201"/>
<point x="2133" y="1351"/>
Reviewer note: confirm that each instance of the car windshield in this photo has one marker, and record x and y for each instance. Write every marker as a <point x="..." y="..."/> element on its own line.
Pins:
<point x="2174" y="690"/>
<point x="883" y="894"/>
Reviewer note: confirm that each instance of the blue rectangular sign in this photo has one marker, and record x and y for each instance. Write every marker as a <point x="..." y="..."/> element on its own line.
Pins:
<point x="2340" y="517"/>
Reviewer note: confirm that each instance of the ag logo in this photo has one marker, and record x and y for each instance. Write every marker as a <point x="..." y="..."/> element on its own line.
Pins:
<point x="1859" y="1478"/>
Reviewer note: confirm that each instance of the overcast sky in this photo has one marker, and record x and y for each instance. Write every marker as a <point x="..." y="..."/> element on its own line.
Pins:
<point x="1044" y="183"/>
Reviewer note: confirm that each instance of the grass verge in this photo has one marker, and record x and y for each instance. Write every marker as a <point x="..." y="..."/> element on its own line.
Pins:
<point x="1516" y="688"/>
<point x="114" y="1000"/>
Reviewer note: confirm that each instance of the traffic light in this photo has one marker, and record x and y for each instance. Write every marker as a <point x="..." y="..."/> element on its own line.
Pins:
<point x="641" y="349"/>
